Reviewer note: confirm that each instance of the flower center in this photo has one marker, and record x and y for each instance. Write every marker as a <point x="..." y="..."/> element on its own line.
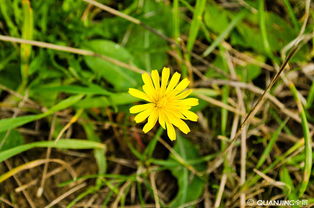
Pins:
<point x="162" y="101"/>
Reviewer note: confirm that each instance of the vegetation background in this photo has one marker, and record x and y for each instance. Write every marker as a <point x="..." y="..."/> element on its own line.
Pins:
<point x="68" y="140"/>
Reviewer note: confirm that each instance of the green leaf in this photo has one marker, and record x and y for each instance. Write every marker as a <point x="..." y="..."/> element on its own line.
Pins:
<point x="285" y="177"/>
<point x="217" y="25"/>
<point x="9" y="76"/>
<point x="196" y="22"/>
<point x="190" y="186"/>
<point x="249" y="72"/>
<point x="99" y="154"/>
<point x="93" y="102"/>
<point x="121" y="78"/>
<point x="225" y="33"/>
<point x="64" y="104"/>
<point x="63" y="144"/>
<point x="11" y="123"/>
<point x="113" y="100"/>
<point x="270" y="145"/>
<point x="150" y="50"/>
<point x="279" y="33"/>
<point x="10" y="139"/>
<point x="90" y="90"/>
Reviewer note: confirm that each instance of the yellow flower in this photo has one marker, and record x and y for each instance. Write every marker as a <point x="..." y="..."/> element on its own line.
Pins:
<point x="167" y="102"/>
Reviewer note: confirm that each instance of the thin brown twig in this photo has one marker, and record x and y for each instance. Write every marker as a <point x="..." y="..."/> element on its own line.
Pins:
<point x="7" y="202"/>
<point x="27" y="196"/>
<point x="16" y="94"/>
<point x="49" y="174"/>
<point x="42" y="183"/>
<point x="302" y="30"/>
<point x="179" y="158"/>
<point x="155" y="191"/>
<point x="71" y="50"/>
<point x="120" y="194"/>
<point x="113" y="11"/>
<point x="256" y="90"/>
<point x="224" y="176"/>
<point x="25" y="193"/>
<point x="66" y="194"/>
<point x="68" y="125"/>
<point x="261" y="99"/>
<point x="222" y="184"/>
<point x="36" y="163"/>
<point x="243" y="151"/>
<point x="254" y="110"/>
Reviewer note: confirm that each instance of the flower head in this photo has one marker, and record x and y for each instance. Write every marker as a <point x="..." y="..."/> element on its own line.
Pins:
<point x="167" y="102"/>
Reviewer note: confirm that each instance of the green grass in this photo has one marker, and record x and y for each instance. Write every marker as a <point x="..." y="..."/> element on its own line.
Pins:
<point x="65" y="70"/>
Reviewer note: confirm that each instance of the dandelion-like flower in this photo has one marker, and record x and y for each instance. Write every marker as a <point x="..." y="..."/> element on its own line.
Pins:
<point x="167" y="102"/>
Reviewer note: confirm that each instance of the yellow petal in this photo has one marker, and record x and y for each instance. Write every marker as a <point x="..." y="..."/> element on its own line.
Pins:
<point x="152" y="119"/>
<point x="174" y="81"/>
<point x="143" y="115"/>
<point x="140" y="108"/>
<point x="138" y="94"/>
<point x="156" y="79"/>
<point x="164" y="77"/>
<point x="189" y="101"/>
<point x="149" y="90"/>
<point x="147" y="80"/>
<point x="178" y="123"/>
<point x="190" y="115"/>
<point x="181" y="86"/>
<point x="170" y="131"/>
<point x="184" y="94"/>
<point x="174" y="112"/>
<point x="162" y="120"/>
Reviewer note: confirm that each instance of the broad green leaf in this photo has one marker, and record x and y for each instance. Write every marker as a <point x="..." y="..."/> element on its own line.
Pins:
<point x="225" y="33"/>
<point x="150" y="50"/>
<point x="279" y="33"/>
<point x="44" y="98"/>
<point x="215" y="24"/>
<point x="248" y="72"/>
<point x="190" y="186"/>
<point x="10" y="139"/>
<point x="121" y="78"/>
<point x="221" y="64"/>
<point x="8" y="76"/>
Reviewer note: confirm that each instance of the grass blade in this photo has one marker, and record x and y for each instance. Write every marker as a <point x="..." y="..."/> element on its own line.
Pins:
<point x="62" y="144"/>
<point x="270" y="145"/>
<point x="27" y="33"/>
<point x="263" y="27"/>
<point x="310" y="97"/>
<point x="196" y="22"/>
<point x="224" y="34"/>
<point x="292" y="15"/>
<point x="307" y="142"/>
<point x="11" y="123"/>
